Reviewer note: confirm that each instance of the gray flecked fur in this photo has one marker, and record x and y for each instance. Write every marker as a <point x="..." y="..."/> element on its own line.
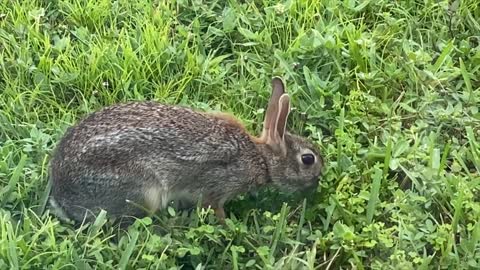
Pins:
<point x="148" y="154"/>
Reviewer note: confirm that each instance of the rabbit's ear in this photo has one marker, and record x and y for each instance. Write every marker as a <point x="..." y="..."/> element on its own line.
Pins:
<point x="277" y="138"/>
<point x="278" y="89"/>
<point x="282" y="117"/>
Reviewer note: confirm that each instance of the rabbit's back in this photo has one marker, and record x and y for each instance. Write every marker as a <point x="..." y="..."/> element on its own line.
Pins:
<point x="148" y="127"/>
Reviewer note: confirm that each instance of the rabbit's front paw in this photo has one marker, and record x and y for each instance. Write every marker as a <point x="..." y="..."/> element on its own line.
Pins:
<point x="220" y="214"/>
<point x="218" y="210"/>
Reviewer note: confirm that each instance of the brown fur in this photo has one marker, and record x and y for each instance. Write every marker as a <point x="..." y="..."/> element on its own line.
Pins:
<point x="231" y="119"/>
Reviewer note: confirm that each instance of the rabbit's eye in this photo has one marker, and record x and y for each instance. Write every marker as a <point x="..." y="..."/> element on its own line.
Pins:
<point x="308" y="159"/>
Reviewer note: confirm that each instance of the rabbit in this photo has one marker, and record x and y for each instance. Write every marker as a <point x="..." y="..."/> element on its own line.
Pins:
<point x="134" y="158"/>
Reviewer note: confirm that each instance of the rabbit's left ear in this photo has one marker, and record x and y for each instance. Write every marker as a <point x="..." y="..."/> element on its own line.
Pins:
<point x="271" y="116"/>
<point x="274" y="126"/>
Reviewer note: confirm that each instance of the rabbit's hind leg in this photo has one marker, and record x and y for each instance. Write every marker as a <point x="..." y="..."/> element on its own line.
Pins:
<point x="83" y="198"/>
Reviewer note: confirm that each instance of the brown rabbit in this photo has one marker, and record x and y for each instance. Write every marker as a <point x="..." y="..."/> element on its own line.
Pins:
<point x="149" y="154"/>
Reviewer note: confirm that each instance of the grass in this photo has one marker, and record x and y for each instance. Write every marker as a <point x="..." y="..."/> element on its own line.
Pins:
<point x="389" y="89"/>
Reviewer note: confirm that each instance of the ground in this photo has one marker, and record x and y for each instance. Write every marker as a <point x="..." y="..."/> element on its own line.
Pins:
<point x="388" y="89"/>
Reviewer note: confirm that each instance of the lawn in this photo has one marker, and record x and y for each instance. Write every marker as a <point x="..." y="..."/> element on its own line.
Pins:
<point x="390" y="91"/>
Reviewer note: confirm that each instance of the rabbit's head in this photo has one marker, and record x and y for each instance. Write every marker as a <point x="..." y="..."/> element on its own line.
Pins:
<point x="294" y="162"/>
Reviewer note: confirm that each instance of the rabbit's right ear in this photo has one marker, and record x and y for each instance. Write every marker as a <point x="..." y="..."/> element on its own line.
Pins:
<point x="269" y="123"/>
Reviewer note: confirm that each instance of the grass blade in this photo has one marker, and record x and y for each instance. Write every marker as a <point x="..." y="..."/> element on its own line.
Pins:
<point x="374" y="194"/>
<point x="443" y="161"/>
<point x="441" y="59"/>
<point x="13" y="180"/>
<point x="466" y="79"/>
<point x="127" y="253"/>
<point x="388" y="157"/>
<point x="44" y="198"/>
<point x="279" y="229"/>
<point x="12" y="247"/>
<point x="474" y="147"/>
<point x="302" y="219"/>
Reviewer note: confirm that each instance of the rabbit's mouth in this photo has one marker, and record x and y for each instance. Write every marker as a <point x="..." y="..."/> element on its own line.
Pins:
<point x="311" y="184"/>
<point x="302" y="186"/>
<point x="306" y="188"/>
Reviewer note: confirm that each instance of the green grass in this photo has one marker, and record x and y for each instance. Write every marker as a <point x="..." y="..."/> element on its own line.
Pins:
<point x="389" y="89"/>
